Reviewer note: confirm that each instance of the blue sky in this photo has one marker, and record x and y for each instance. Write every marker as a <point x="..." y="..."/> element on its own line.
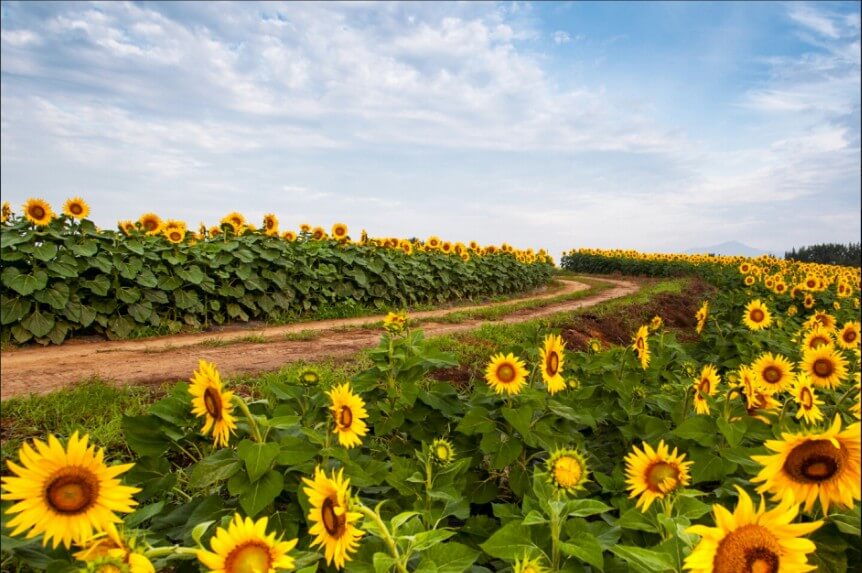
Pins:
<point x="655" y="126"/>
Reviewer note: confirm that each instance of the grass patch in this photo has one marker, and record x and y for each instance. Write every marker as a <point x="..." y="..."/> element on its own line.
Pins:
<point x="302" y="335"/>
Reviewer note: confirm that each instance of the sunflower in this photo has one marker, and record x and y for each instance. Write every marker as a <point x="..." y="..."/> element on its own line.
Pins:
<point x="76" y="208"/>
<point x="305" y="228"/>
<point x="567" y="470"/>
<point x="309" y="376"/>
<point x="65" y="494"/>
<point x="826" y="367"/>
<point x="506" y="373"/>
<point x="38" y="212"/>
<point x="527" y="565"/>
<point x="318" y="234"/>
<point x="807" y="400"/>
<point x="443" y="451"/>
<point x="757" y="316"/>
<point x="270" y="224"/>
<point x="348" y="411"/>
<point x="704" y="386"/>
<point x="701" y="316"/>
<point x="174" y="232"/>
<point x="817" y="336"/>
<point x="333" y="522"/>
<point x="653" y="474"/>
<point x="821" y="465"/>
<point x="210" y="401"/>
<point x="339" y="231"/>
<point x="792" y="310"/>
<point x="233" y="221"/>
<point x="108" y="551"/>
<point x="856" y="408"/>
<point x="5" y="212"/>
<point x="406" y="246"/>
<point x="150" y="223"/>
<point x="244" y="547"/>
<point x="772" y="372"/>
<point x="214" y="231"/>
<point x="752" y="541"/>
<point x="641" y="346"/>
<point x="553" y="357"/>
<point x="446" y="247"/>
<point x="655" y="323"/>
<point x="127" y="227"/>
<point x="848" y="336"/>
<point x="808" y="301"/>
<point x="433" y="242"/>
<point x="394" y="322"/>
<point x="289" y="236"/>
<point x="823" y="318"/>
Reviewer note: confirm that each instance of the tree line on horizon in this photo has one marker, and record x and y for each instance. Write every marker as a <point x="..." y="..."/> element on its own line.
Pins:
<point x="828" y="253"/>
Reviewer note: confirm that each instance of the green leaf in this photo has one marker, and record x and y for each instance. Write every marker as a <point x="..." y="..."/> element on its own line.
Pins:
<point x="425" y="539"/>
<point x="143" y="437"/>
<point x="511" y="541"/>
<point x="733" y="432"/>
<point x="295" y="451"/>
<point x="45" y="252"/>
<point x="586" y="548"/>
<point x="534" y="518"/>
<point x="262" y="492"/>
<point x="215" y="468"/>
<point x="520" y="419"/>
<point x="64" y="267"/>
<point x="185" y="298"/>
<point x="257" y="457"/>
<point x="447" y="558"/>
<point x="697" y="428"/>
<point x="14" y="309"/>
<point x="507" y="453"/>
<point x="585" y="507"/>
<point x="383" y="562"/>
<point x="476" y="421"/>
<point x="86" y="248"/>
<point x="638" y="521"/>
<point x="24" y="284"/>
<point x="38" y="324"/>
<point x="99" y="285"/>
<point x="708" y="466"/>
<point x="847" y="521"/>
<point x="56" y="295"/>
<point x="643" y="560"/>
<point x="144" y="513"/>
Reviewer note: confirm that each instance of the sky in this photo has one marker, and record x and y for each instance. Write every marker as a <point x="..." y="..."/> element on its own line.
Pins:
<point x="650" y="126"/>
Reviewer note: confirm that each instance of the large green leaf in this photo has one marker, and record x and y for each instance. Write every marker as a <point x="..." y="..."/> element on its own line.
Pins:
<point x="257" y="457"/>
<point x="262" y="492"/>
<point x="512" y="541"/>
<point x="24" y="283"/>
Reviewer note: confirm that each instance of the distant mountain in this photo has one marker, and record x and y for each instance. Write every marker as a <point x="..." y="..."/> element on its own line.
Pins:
<point x="730" y="248"/>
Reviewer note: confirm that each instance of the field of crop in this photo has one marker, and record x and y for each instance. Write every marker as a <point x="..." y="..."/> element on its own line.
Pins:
<point x="730" y="445"/>
<point x="62" y="276"/>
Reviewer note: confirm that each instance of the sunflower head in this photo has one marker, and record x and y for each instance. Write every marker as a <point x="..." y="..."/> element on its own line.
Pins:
<point x="443" y="451"/>
<point x="151" y="223"/>
<point x="506" y="373"/>
<point x="395" y="322"/>
<point x="5" y="212"/>
<point x="348" y="413"/>
<point x="752" y="541"/>
<point x="701" y="316"/>
<point x="76" y="208"/>
<point x="110" y="551"/>
<point x="567" y="471"/>
<point x="826" y="367"/>
<point x="806" y="400"/>
<point x="814" y="465"/>
<point x="757" y="316"/>
<point x="773" y="373"/>
<point x="817" y="336"/>
<point x="127" y="227"/>
<point x="245" y="547"/>
<point x="174" y="232"/>
<point x="705" y="385"/>
<point x="849" y="335"/>
<point x="38" y="212"/>
<point x="655" y="323"/>
<point x="212" y="403"/>
<point x="552" y="356"/>
<point x="332" y="522"/>
<point x="309" y="377"/>
<point x="339" y="232"/>
<point x="270" y="224"/>
<point x="65" y="494"/>
<point x="527" y="565"/>
<point x="654" y="474"/>
<point x="640" y="344"/>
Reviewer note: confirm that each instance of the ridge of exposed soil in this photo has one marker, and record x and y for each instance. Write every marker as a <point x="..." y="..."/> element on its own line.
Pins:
<point x="40" y="370"/>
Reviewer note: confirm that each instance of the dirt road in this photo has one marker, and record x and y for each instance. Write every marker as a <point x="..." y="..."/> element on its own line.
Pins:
<point x="40" y="370"/>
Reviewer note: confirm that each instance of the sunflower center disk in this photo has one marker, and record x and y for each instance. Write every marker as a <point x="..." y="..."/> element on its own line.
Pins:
<point x="815" y="461"/>
<point x="72" y="492"/>
<point x="553" y="363"/>
<point x="506" y="374"/>
<point x="567" y="472"/>
<point x="658" y="475"/>
<point x="345" y="417"/>
<point x="806" y="398"/>
<point x="757" y="315"/>
<point x="818" y="341"/>
<point x="749" y="549"/>
<point x="704" y="386"/>
<point x="442" y="452"/>
<point x="772" y="374"/>
<point x="37" y="212"/>
<point x="823" y="367"/>
<point x="250" y="557"/>
<point x="849" y="336"/>
<point x="332" y="522"/>
<point x="212" y="402"/>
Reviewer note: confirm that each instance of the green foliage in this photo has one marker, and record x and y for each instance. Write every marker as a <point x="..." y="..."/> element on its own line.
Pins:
<point x="849" y="255"/>
<point x="69" y="278"/>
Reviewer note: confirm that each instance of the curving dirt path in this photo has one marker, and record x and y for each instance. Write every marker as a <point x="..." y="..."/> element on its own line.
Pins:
<point x="40" y="370"/>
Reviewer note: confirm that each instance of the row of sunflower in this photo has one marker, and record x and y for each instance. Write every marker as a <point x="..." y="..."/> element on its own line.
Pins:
<point x="546" y="459"/>
<point x="64" y="277"/>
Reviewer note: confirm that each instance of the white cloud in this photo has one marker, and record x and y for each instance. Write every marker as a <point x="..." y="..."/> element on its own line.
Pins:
<point x="561" y="37"/>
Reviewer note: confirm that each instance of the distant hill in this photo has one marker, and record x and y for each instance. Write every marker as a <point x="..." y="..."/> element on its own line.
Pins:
<point x="730" y="248"/>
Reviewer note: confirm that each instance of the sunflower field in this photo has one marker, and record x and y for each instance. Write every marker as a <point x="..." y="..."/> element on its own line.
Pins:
<point x="733" y="449"/>
<point x="62" y="276"/>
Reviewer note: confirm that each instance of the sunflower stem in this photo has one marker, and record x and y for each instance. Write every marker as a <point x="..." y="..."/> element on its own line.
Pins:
<point x="555" y="540"/>
<point x="173" y="550"/>
<point x="385" y="535"/>
<point x="255" y="430"/>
